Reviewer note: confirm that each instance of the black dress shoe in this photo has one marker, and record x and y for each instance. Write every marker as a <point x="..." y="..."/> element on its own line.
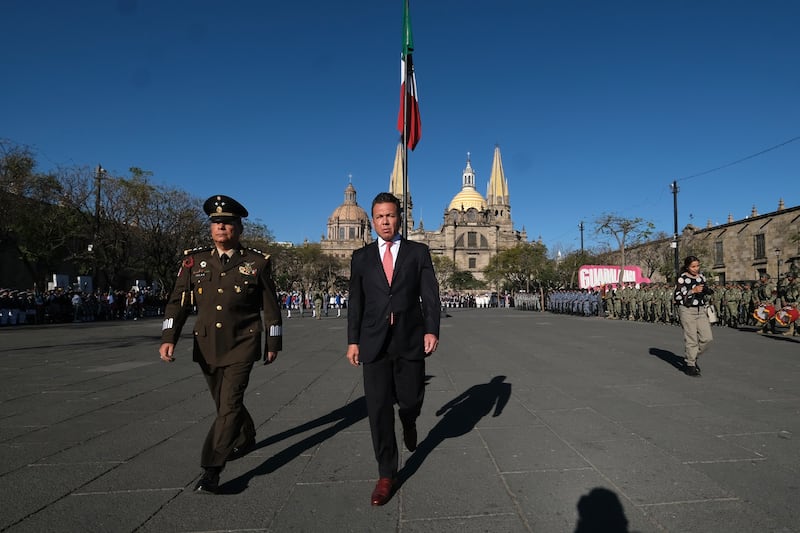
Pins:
<point x="410" y="436"/>
<point x="693" y="371"/>
<point x="240" y="451"/>
<point x="209" y="482"/>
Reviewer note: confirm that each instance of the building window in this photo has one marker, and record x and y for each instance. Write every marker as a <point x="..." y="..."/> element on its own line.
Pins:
<point x="341" y="234"/>
<point x="352" y="233"/>
<point x="719" y="256"/>
<point x="472" y="263"/>
<point x="760" y="249"/>
<point x="472" y="239"/>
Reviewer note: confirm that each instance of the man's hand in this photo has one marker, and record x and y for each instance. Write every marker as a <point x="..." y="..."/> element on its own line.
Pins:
<point x="270" y="357"/>
<point x="352" y="354"/>
<point x="167" y="351"/>
<point x="431" y="342"/>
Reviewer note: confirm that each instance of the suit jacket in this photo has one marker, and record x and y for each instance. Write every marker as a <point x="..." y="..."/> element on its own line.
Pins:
<point x="413" y="300"/>
<point x="230" y="299"/>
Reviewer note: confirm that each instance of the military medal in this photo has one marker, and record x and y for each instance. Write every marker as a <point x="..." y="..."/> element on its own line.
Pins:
<point x="248" y="269"/>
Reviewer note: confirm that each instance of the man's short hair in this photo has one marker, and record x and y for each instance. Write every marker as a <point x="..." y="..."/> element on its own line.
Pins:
<point x="387" y="198"/>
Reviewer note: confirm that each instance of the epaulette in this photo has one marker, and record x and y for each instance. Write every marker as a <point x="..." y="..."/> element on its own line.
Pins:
<point x="192" y="251"/>
<point x="266" y="255"/>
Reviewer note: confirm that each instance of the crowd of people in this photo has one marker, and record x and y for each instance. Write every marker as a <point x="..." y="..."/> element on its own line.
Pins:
<point x="320" y="303"/>
<point x="585" y="302"/>
<point x="761" y="303"/>
<point x="736" y="303"/>
<point x="18" y="307"/>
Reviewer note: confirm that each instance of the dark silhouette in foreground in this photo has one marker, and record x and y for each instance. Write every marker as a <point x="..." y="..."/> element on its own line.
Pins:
<point x="600" y="511"/>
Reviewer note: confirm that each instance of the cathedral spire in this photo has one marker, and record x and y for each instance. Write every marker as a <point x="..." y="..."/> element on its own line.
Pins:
<point x="396" y="184"/>
<point x="396" y="179"/>
<point x="497" y="191"/>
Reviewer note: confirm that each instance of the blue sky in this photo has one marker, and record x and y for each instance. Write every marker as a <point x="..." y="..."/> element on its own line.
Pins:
<point x="597" y="105"/>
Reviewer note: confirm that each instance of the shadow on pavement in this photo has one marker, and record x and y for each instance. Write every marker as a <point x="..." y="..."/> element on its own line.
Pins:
<point x="343" y="417"/>
<point x="459" y="417"/>
<point x="600" y="511"/>
<point x="665" y="355"/>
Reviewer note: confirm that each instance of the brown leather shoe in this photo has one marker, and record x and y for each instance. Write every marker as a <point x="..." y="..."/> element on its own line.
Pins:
<point x="383" y="491"/>
<point x="410" y="437"/>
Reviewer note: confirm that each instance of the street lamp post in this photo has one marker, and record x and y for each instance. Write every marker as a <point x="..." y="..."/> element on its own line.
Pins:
<point x="778" y="261"/>
<point x="93" y="247"/>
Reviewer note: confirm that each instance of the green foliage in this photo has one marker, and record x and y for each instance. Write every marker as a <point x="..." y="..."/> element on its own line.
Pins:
<point x="80" y="220"/>
<point x="444" y="268"/>
<point x="306" y="268"/>
<point x="520" y="267"/>
<point x="464" y="280"/>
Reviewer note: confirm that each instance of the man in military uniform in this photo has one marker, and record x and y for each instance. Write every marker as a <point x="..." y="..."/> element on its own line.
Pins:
<point x="231" y="286"/>
<point x="766" y="294"/>
<point x="791" y="296"/>
<point x="746" y="307"/>
<point x="733" y="299"/>
<point x="616" y="301"/>
<point x="647" y="295"/>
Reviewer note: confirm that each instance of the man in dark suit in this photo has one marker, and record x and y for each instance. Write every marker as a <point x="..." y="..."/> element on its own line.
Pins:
<point x="392" y="325"/>
<point x="231" y="286"/>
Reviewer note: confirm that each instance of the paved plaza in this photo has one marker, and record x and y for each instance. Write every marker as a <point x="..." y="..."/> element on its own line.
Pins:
<point x="528" y="417"/>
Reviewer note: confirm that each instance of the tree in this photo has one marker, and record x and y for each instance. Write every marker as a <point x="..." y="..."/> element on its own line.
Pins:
<point x="656" y="255"/>
<point x="38" y="223"/>
<point x="461" y="280"/>
<point x="566" y="270"/>
<point x="306" y="268"/>
<point x="624" y="230"/>
<point x="519" y="267"/>
<point x="444" y="268"/>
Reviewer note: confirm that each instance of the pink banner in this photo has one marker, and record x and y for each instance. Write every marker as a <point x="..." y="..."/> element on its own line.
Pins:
<point x="596" y="275"/>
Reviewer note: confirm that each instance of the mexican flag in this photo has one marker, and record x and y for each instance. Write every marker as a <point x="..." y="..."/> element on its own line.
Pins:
<point x="408" y="120"/>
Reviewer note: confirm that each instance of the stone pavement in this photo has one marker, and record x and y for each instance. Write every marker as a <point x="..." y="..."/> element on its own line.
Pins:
<point x="527" y="417"/>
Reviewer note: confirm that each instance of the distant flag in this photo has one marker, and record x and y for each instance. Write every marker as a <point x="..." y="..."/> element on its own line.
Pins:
<point x="409" y="104"/>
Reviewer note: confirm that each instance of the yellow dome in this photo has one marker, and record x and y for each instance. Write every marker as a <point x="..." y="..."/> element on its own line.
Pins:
<point x="467" y="198"/>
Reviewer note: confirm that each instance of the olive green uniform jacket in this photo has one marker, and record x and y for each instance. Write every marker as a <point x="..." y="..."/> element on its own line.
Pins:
<point x="230" y="300"/>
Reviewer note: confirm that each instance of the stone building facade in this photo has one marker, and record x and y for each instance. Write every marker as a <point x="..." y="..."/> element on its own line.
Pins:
<point x="738" y="250"/>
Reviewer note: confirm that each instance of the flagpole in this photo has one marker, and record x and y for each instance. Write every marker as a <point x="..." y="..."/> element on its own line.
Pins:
<point x="405" y="130"/>
<point x="405" y="165"/>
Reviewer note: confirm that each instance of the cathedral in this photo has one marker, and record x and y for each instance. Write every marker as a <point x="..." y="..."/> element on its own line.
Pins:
<point x="474" y="228"/>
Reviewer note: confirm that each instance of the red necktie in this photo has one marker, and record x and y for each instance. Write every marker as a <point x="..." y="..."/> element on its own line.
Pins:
<point x="388" y="266"/>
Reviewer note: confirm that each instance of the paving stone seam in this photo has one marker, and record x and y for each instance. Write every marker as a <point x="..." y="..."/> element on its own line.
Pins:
<point x="688" y="502"/>
<point x="510" y="493"/>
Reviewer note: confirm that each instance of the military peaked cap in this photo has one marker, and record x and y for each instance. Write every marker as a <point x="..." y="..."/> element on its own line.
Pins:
<point x="221" y="208"/>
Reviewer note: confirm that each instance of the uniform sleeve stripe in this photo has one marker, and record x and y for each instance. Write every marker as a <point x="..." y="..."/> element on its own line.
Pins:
<point x="275" y="331"/>
<point x="167" y="324"/>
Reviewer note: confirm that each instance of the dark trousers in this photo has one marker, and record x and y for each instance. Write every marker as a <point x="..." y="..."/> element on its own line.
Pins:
<point x="388" y="380"/>
<point x="233" y="425"/>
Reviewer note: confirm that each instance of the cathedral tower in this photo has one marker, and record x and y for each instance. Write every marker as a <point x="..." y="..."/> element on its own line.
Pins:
<point x="396" y="186"/>
<point x="497" y="193"/>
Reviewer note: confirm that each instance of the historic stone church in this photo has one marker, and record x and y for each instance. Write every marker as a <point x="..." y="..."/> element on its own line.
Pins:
<point x="474" y="227"/>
